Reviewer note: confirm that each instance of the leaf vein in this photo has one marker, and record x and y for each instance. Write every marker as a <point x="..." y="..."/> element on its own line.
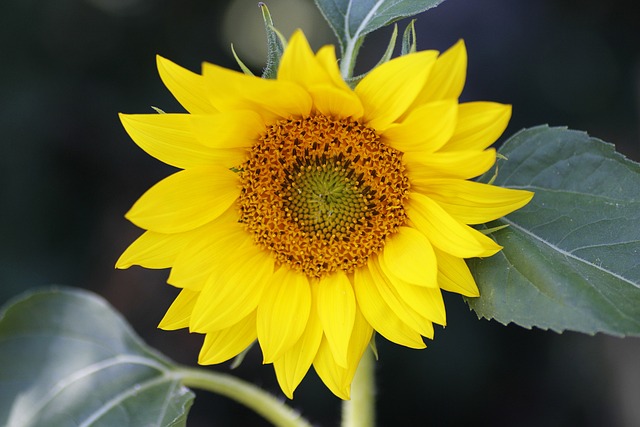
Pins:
<point x="562" y="302"/>
<point x="606" y="245"/>
<point x="87" y="371"/>
<point x="569" y="254"/>
<point x="117" y="399"/>
<point x="165" y="404"/>
<point x="537" y="188"/>
<point x="366" y="19"/>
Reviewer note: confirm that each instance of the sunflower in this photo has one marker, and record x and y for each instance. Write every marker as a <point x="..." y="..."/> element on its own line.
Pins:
<point x="309" y="215"/>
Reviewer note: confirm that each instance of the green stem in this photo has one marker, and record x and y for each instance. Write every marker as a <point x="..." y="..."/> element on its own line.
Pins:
<point x="360" y="410"/>
<point x="249" y="395"/>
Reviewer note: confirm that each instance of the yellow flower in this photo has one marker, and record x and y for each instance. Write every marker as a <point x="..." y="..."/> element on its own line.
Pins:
<point x="308" y="215"/>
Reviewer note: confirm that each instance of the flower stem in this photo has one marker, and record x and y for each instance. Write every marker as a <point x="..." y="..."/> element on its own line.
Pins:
<point x="360" y="410"/>
<point x="263" y="403"/>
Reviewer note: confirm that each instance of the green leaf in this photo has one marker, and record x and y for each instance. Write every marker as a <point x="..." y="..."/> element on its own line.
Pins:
<point x="352" y="20"/>
<point x="68" y="359"/>
<point x="571" y="257"/>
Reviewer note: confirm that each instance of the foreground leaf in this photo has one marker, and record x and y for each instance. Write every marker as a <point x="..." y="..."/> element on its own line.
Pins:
<point x="571" y="257"/>
<point x="68" y="359"/>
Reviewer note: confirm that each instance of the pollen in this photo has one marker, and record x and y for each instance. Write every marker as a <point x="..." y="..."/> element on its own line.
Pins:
<point x="322" y="194"/>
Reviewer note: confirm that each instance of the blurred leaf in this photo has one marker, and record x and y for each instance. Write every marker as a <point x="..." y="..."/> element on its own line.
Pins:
<point x="351" y="20"/>
<point x="68" y="359"/>
<point x="571" y="257"/>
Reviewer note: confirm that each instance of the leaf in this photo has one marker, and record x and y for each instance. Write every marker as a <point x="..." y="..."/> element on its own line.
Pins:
<point x="571" y="257"/>
<point x="68" y="359"/>
<point x="351" y="20"/>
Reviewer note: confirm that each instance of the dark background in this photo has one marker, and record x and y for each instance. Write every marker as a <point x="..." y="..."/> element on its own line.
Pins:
<point x="69" y="172"/>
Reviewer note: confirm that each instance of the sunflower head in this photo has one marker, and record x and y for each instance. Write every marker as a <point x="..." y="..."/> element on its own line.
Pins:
<point x="322" y="194"/>
<point x="307" y="215"/>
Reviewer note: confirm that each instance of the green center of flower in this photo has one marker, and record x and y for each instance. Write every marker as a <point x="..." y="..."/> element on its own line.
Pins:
<point x="322" y="194"/>
<point x="325" y="198"/>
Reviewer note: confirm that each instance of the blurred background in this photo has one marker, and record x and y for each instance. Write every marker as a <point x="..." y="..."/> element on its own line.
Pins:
<point x="69" y="172"/>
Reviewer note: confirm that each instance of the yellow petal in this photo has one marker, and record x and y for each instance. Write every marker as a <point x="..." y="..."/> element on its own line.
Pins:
<point x="213" y="246"/>
<point x="473" y="202"/>
<point x="320" y="76"/>
<point x="480" y="124"/>
<point x="178" y="315"/>
<point x="379" y="314"/>
<point x="408" y="255"/>
<point x="185" y="200"/>
<point x="294" y="364"/>
<point x="154" y="250"/>
<point x="446" y="233"/>
<point x="232" y="90"/>
<point x="447" y="77"/>
<point x="454" y="164"/>
<point x="233" y="291"/>
<point x="360" y="340"/>
<point x="231" y="129"/>
<point x="187" y="87"/>
<point x="283" y="313"/>
<point x="427" y="302"/>
<point x="335" y="377"/>
<point x="454" y="275"/>
<point x="330" y="373"/>
<point x="331" y="101"/>
<point x="336" y="306"/>
<point x="299" y="65"/>
<point x="170" y="139"/>
<point x="388" y="291"/>
<point x="222" y="345"/>
<point x="388" y="90"/>
<point x="427" y="128"/>
<point x="326" y="57"/>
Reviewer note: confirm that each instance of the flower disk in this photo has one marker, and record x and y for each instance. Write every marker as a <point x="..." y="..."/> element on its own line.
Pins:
<point x="322" y="194"/>
<point x="307" y="215"/>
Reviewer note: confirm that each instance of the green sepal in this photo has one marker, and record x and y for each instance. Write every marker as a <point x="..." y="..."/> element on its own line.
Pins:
<point x="275" y="44"/>
<point x="241" y="64"/>
<point x="237" y="361"/>
<point x="409" y="40"/>
<point x="487" y="231"/>
<point x="353" y="81"/>
<point x="373" y="345"/>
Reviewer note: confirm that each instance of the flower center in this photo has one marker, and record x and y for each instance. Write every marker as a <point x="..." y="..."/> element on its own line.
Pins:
<point x="324" y="198"/>
<point x="322" y="194"/>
